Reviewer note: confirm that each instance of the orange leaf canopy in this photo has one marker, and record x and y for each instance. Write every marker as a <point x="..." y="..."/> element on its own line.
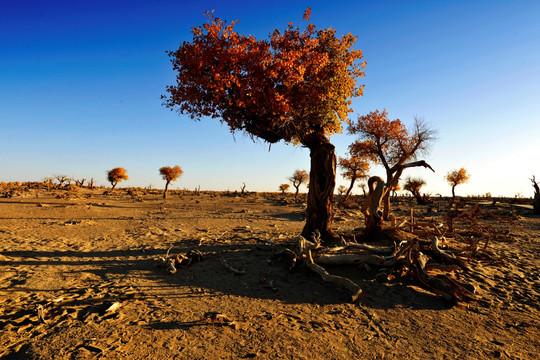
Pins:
<point x="284" y="88"/>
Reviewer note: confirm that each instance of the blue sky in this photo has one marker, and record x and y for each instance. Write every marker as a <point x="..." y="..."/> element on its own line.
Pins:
<point x="80" y="87"/>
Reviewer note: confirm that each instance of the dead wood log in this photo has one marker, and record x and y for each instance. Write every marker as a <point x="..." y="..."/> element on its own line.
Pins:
<point x="232" y="269"/>
<point x="370" y="248"/>
<point x="448" y="288"/>
<point x="348" y="284"/>
<point x="445" y="256"/>
<point x="356" y="259"/>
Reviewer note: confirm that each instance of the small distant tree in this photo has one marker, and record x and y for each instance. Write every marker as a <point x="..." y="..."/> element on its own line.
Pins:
<point x="62" y="179"/>
<point x="413" y="185"/>
<point x="299" y="177"/>
<point x="80" y="183"/>
<point x="391" y="144"/>
<point x="284" y="187"/>
<point x="342" y="189"/>
<point x="354" y="167"/>
<point x="536" y="200"/>
<point x="116" y="175"/>
<point x="363" y="186"/>
<point x="394" y="190"/>
<point x="457" y="177"/>
<point x="170" y="174"/>
<point x="48" y="181"/>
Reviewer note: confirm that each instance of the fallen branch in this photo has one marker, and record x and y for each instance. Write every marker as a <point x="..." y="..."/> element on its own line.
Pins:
<point x="446" y="257"/>
<point x="231" y="269"/>
<point x="353" y="288"/>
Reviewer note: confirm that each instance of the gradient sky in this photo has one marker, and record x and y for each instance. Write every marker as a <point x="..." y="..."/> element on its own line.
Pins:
<point x="80" y="87"/>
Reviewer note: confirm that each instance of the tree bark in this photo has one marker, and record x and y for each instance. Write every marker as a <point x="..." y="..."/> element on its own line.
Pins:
<point x="347" y="194"/>
<point x="392" y="179"/>
<point x="372" y="205"/>
<point x="419" y="199"/>
<point x="296" y="193"/>
<point x="322" y="180"/>
<point x="536" y="200"/>
<point x="453" y="192"/>
<point x="166" y="188"/>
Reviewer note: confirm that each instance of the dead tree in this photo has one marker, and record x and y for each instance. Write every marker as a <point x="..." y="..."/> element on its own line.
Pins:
<point x="80" y="183"/>
<point x="61" y="180"/>
<point x="536" y="201"/>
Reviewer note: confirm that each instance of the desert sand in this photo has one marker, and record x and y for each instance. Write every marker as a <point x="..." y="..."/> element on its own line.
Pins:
<point x="80" y="280"/>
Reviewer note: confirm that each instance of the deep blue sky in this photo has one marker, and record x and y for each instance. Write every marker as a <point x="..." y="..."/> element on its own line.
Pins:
<point x="80" y="87"/>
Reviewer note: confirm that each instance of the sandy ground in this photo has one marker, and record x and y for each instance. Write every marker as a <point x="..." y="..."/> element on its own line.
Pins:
<point x="76" y="257"/>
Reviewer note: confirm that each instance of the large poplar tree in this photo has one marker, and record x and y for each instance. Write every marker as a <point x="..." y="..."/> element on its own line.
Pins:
<point x="295" y="86"/>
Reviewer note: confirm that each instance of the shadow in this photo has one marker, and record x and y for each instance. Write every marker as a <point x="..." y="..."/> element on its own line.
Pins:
<point x="94" y="202"/>
<point x="293" y="216"/>
<point x="23" y="353"/>
<point x="174" y="325"/>
<point x="265" y="277"/>
<point x="73" y="222"/>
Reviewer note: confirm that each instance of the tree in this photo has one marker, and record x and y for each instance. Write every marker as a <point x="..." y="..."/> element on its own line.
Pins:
<point x="62" y="179"/>
<point x="299" y="177"/>
<point x="413" y="185"/>
<point x="116" y="175"/>
<point x="48" y="181"/>
<point x="536" y="201"/>
<point x="389" y="143"/>
<point x="295" y="86"/>
<point x="457" y="177"/>
<point x="363" y="187"/>
<point x="284" y="187"/>
<point x="354" y="167"/>
<point x="342" y="189"/>
<point x="170" y="174"/>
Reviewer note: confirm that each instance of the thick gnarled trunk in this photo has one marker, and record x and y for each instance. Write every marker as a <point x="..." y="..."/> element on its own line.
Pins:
<point x="322" y="180"/>
<point x="372" y="205"/>
<point x="536" y="200"/>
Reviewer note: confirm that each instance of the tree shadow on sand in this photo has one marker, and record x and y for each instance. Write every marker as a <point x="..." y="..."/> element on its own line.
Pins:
<point x="264" y="276"/>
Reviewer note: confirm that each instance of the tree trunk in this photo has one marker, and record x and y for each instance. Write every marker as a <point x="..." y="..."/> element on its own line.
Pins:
<point x="536" y="200"/>
<point x="372" y="204"/>
<point x="392" y="179"/>
<point x="166" y="188"/>
<point x="322" y="180"/>
<point x="419" y="199"/>
<point x="536" y="204"/>
<point x="386" y="203"/>
<point x="296" y="194"/>
<point x="453" y="192"/>
<point x="347" y="194"/>
<point x="113" y="185"/>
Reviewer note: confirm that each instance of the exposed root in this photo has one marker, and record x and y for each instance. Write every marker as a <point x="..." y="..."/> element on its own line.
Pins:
<point x="353" y="288"/>
<point x="232" y="269"/>
<point x="173" y="263"/>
